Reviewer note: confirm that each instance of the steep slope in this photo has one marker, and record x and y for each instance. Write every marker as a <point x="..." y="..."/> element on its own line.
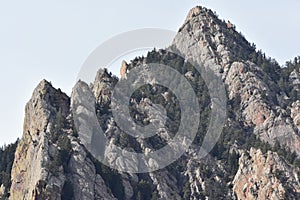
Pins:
<point x="52" y="162"/>
<point x="265" y="177"/>
<point x="7" y="154"/>
<point x="31" y="177"/>
<point x="205" y="39"/>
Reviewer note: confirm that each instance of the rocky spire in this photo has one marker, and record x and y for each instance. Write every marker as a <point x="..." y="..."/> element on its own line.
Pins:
<point x="123" y="69"/>
<point x="41" y="172"/>
<point x="31" y="178"/>
<point x="213" y="40"/>
<point x="102" y="85"/>
<point x="207" y="40"/>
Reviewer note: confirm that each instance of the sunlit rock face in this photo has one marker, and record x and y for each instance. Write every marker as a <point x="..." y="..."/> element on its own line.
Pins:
<point x="265" y="176"/>
<point x="53" y="159"/>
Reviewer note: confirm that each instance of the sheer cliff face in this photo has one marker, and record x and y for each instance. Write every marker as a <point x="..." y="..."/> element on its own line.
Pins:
<point x="51" y="161"/>
<point x="45" y="167"/>
<point x="30" y="177"/>
<point x="265" y="177"/>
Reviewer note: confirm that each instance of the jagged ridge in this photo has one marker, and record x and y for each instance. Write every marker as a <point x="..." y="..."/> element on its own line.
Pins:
<point x="51" y="162"/>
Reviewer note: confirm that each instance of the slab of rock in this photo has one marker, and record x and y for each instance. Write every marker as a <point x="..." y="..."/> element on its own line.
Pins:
<point x="123" y="69"/>
<point x="265" y="176"/>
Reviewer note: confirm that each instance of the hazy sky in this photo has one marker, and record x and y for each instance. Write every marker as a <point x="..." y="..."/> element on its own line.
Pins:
<point x="51" y="39"/>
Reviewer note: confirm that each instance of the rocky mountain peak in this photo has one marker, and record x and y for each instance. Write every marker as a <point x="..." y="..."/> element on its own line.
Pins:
<point x="197" y="11"/>
<point x="102" y="85"/>
<point x="213" y="43"/>
<point x="217" y="40"/>
<point x="123" y="69"/>
<point x="45" y="102"/>
<point x="29" y="171"/>
<point x="249" y="161"/>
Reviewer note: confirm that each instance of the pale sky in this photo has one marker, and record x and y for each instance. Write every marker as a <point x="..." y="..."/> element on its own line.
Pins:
<point x="51" y="39"/>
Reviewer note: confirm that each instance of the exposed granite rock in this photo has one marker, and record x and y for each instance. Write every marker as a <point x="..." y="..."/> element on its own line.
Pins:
<point x="265" y="177"/>
<point x="295" y="113"/>
<point x="2" y="190"/>
<point x="202" y="39"/>
<point x="31" y="178"/>
<point x="85" y="118"/>
<point x="205" y="39"/>
<point x="295" y="77"/>
<point x="102" y="86"/>
<point x="204" y="35"/>
<point x="196" y="172"/>
<point x="166" y="184"/>
<point x="259" y="108"/>
<point x="123" y="69"/>
<point x="87" y="183"/>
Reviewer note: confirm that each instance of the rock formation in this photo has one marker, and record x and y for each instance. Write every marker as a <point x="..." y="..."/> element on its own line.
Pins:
<point x="36" y="173"/>
<point x="2" y="189"/>
<point x="31" y="176"/>
<point x="204" y="39"/>
<point x="123" y="69"/>
<point x="265" y="177"/>
<point x="53" y="159"/>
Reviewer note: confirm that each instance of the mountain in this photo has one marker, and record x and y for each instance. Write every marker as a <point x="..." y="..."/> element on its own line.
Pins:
<point x="255" y="157"/>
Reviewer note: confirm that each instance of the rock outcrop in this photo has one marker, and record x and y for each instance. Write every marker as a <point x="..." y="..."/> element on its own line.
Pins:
<point x="2" y="190"/>
<point x="36" y="173"/>
<point x="295" y="77"/>
<point x="123" y="69"/>
<point x="265" y="177"/>
<point x="55" y="158"/>
<point x="259" y="108"/>
<point x="206" y="40"/>
<point x="87" y="184"/>
<point x="31" y="175"/>
<point x="295" y="113"/>
<point x="103" y="86"/>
